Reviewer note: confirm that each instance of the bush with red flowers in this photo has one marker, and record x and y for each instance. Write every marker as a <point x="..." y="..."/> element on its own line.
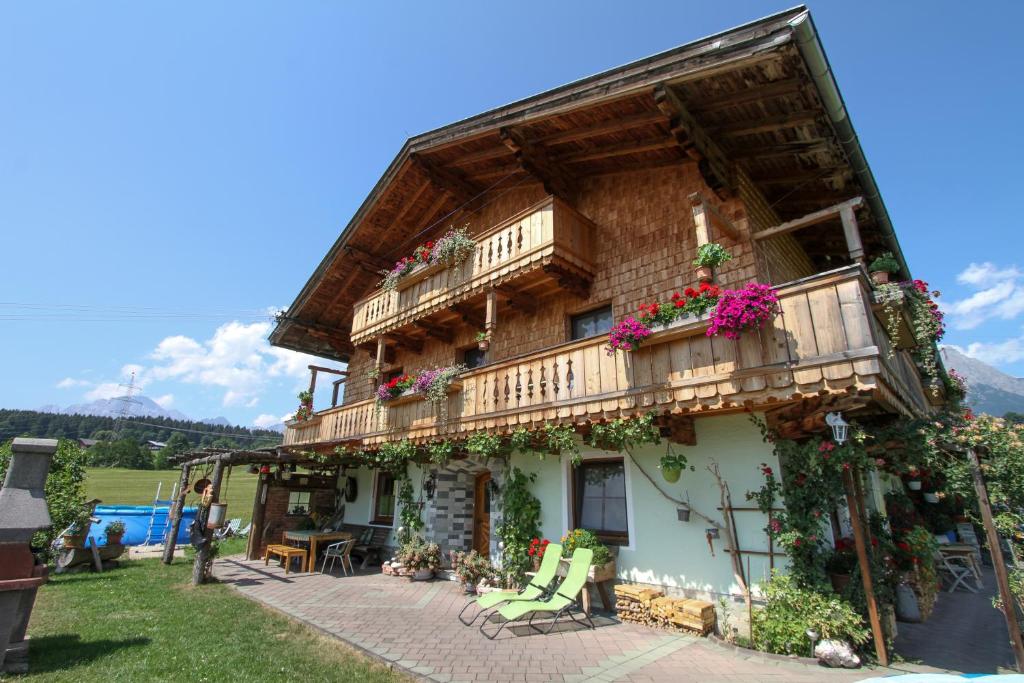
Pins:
<point x="454" y="247"/>
<point x="628" y="334"/>
<point x="394" y="388"/>
<point x="537" y="547"/>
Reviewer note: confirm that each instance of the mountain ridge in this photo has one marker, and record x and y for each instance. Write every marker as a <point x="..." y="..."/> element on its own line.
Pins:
<point x="989" y="390"/>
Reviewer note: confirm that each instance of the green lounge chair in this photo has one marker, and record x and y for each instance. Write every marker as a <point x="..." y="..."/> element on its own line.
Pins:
<point x="563" y="601"/>
<point x="534" y="590"/>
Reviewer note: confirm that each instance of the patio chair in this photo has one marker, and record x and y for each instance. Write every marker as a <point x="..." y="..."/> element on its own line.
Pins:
<point x="563" y="602"/>
<point x="534" y="590"/>
<point x="342" y="550"/>
<point x="956" y="568"/>
<point x="230" y="529"/>
<point x="244" y="532"/>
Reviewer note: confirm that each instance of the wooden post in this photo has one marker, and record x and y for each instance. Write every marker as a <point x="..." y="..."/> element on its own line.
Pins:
<point x="259" y="508"/>
<point x="491" y="319"/>
<point x="865" y="568"/>
<point x="334" y="393"/>
<point x="203" y="553"/>
<point x="700" y="219"/>
<point x="312" y="379"/>
<point x="170" y="540"/>
<point x="1009" y="610"/>
<point x="852" y="232"/>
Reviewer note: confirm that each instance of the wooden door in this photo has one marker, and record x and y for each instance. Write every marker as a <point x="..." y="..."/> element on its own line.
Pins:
<point x="482" y="514"/>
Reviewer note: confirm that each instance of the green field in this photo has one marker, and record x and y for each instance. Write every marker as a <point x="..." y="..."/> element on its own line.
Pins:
<point x="115" y="486"/>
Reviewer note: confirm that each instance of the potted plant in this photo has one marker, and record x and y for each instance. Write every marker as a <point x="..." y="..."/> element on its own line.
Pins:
<point x="841" y="563"/>
<point x="536" y="551"/>
<point x="709" y="257"/>
<point x="305" y="410"/>
<point x="74" y="535"/>
<point x="471" y="568"/>
<point x="420" y="557"/>
<point x="882" y="267"/>
<point x="603" y="564"/>
<point x="672" y="466"/>
<point x="742" y="310"/>
<point x="914" y="480"/>
<point x="114" y="531"/>
<point x="483" y="342"/>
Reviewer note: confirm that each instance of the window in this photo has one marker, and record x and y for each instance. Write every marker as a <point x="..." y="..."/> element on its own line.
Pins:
<point x="473" y="357"/>
<point x="599" y="499"/>
<point x="298" y="503"/>
<point x="383" y="499"/>
<point x="592" y="323"/>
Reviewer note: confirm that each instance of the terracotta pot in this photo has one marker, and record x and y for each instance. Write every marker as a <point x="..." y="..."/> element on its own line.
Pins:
<point x="74" y="541"/>
<point x="484" y="344"/>
<point x="671" y="474"/>
<point x="914" y="485"/>
<point x="880" y="277"/>
<point x="704" y="274"/>
<point x="114" y="539"/>
<point x="839" y="582"/>
<point x="536" y="564"/>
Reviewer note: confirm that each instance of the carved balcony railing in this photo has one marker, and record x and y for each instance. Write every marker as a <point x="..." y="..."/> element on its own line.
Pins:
<point x="827" y="341"/>
<point x="550" y="241"/>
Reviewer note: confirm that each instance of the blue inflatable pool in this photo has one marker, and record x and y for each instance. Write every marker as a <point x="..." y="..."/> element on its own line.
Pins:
<point x="144" y="524"/>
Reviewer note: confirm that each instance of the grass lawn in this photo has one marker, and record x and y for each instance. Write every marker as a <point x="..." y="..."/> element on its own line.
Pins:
<point x="116" y="486"/>
<point x="144" y="622"/>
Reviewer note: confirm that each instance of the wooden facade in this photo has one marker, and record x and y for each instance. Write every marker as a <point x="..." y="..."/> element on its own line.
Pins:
<point x="600" y="193"/>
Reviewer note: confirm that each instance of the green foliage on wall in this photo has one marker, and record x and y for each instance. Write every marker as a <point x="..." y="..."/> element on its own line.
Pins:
<point x="520" y="524"/>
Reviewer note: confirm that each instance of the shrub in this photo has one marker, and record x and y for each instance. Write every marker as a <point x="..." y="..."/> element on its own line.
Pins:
<point x="418" y="554"/>
<point x="471" y="567"/>
<point x="520" y="524"/>
<point x="781" y="626"/>
<point x="114" y="528"/>
<point x="584" y="538"/>
<point x="886" y="263"/>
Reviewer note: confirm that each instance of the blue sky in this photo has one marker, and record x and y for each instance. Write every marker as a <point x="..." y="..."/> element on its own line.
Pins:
<point x="168" y="173"/>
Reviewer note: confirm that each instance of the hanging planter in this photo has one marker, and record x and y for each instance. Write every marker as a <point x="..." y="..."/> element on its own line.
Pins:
<point x="704" y="274"/>
<point x="672" y="465"/>
<point x="483" y="341"/>
<point x="709" y="257"/>
<point x="683" y="513"/>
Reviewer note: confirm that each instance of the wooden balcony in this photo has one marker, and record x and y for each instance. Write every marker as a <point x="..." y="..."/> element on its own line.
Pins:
<point x="546" y="246"/>
<point x="826" y="342"/>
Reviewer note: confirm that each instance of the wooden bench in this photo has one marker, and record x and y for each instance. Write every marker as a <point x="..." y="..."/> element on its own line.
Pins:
<point x="287" y="553"/>
<point x="370" y="542"/>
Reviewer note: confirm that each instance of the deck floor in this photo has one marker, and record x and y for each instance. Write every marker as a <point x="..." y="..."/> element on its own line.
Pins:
<point x="413" y="625"/>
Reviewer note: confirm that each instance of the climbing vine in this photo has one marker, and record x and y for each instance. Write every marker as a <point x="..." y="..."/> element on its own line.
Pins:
<point x="624" y="433"/>
<point x="411" y="521"/>
<point x="561" y="440"/>
<point x="485" y="445"/>
<point x="520" y="523"/>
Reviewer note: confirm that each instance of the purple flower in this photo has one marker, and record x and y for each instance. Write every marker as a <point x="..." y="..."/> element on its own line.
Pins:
<point x="745" y="309"/>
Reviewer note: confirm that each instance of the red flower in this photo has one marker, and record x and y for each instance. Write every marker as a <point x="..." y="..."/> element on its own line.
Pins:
<point x="797" y="542"/>
<point x="826" y="447"/>
<point x="904" y="546"/>
<point x="430" y="245"/>
<point x="690" y="292"/>
<point x="704" y="287"/>
<point x="765" y="470"/>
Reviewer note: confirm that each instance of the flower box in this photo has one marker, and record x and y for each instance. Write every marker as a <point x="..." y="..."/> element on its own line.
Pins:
<point x="408" y="396"/>
<point x="605" y="572"/>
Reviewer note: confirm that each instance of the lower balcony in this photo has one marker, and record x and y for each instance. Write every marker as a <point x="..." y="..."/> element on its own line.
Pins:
<point x="827" y="342"/>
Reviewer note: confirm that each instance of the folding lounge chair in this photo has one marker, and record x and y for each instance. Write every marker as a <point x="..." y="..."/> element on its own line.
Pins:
<point x="534" y="590"/>
<point x="956" y="568"/>
<point x="562" y="602"/>
<point x="230" y="529"/>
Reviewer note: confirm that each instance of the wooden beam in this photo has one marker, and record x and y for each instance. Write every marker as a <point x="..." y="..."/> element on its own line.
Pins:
<point x="517" y="300"/>
<point x="373" y="262"/>
<point x="203" y="551"/>
<point x="333" y="371"/>
<point x="410" y="203"/>
<point x="535" y="160"/>
<point x="711" y="217"/>
<point x="440" y="333"/>
<point x="781" y="149"/>
<point x="865" y="569"/>
<point x="764" y="124"/>
<point x="569" y="280"/>
<point x="491" y="315"/>
<point x="446" y="179"/>
<point x="406" y="342"/>
<point x="477" y="157"/>
<point x="714" y="166"/>
<point x="802" y="177"/>
<point x="753" y="93"/>
<point x="622" y="149"/>
<point x="810" y="219"/>
<point x="468" y="315"/>
<point x="617" y="125"/>
<point x="852" y="234"/>
<point x="179" y="504"/>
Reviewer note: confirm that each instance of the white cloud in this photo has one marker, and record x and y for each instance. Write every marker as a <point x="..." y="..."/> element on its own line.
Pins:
<point x="105" y="390"/>
<point x="997" y="353"/>
<point x="1000" y="295"/>
<point x="267" y="421"/>
<point x="71" y="383"/>
<point x="165" y="401"/>
<point x="237" y="358"/>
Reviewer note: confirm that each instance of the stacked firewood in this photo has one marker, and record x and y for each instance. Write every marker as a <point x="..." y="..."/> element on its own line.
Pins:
<point x="633" y="603"/>
<point x="649" y="606"/>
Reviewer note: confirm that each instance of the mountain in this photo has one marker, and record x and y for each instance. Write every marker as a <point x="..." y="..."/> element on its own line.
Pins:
<point x="111" y="407"/>
<point x="220" y="420"/>
<point x="988" y="390"/>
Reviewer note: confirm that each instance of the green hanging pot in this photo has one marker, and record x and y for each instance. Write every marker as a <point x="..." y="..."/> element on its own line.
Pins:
<point x="671" y="474"/>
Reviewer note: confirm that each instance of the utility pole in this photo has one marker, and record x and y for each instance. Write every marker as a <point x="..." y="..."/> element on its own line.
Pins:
<point x="126" y="402"/>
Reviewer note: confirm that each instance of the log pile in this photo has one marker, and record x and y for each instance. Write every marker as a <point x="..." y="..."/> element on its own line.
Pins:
<point x="650" y="607"/>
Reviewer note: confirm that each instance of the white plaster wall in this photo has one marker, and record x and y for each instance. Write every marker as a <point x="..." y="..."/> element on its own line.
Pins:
<point x="663" y="550"/>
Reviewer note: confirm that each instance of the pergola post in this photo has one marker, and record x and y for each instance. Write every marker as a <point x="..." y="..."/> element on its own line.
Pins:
<point x="170" y="540"/>
<point x="852" y="234"/>
<point x="491" y="319"/>
<point x="1009" y="608"/>
<point x="203" y="552"/>
<point x="259" y="508"/>
<point x="865" y="568"/>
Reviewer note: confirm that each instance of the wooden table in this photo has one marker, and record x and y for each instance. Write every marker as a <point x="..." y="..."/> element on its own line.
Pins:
<point x="966" y="552"/>
<point x="315" y="538"/>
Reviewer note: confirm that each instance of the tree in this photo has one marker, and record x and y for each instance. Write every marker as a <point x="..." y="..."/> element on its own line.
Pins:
<point x="121" y="453"/>
<point x="177" y="443"/>
<point x="65" y="490"/>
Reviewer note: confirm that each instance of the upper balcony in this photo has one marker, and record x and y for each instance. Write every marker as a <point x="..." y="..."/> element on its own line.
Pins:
<point x="548" y="244"/>
<point x="827" y="347"/>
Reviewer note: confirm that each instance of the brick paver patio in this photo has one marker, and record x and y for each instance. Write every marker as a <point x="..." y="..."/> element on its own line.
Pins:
<point x="413" y="625"/>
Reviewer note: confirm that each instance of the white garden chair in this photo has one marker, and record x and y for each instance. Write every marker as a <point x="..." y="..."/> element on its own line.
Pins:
<point x="342" y="550"/>
<point x="957" y="569"/>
